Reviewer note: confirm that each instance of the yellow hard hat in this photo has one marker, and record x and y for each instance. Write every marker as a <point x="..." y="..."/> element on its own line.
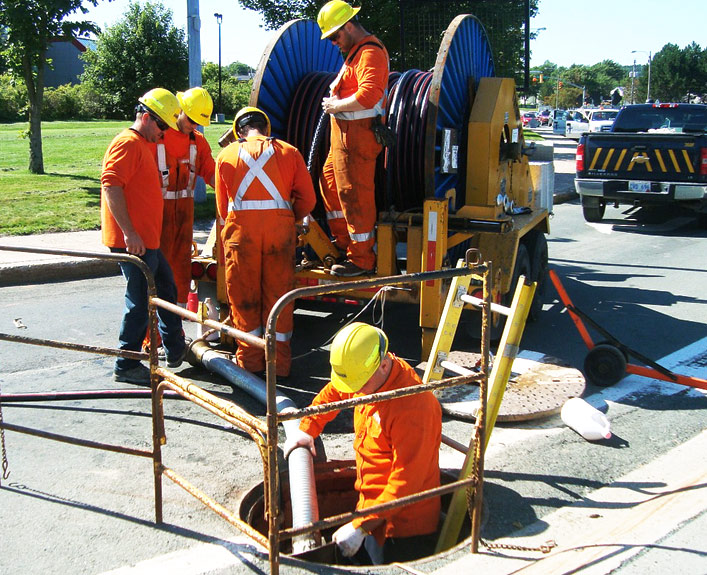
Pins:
<point x="245" y="115"/>
<point x="162" y="103"/>
<point x="334" y="15"/>
<point x="197" y="104"/>
<point x="356" y="353"/>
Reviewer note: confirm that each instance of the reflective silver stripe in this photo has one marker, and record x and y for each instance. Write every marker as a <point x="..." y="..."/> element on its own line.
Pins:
<point x="162" y="166"/>
<point x="257" y="332"/>
<point x="177" y="195"/>
<point x="164" y="173"/>
<point x="280" y="336"/>
<point x="192" y="166"/>
<point x="377" y="110"/>
<point x="362" y="237"/>
<point x="334" y="215"/>
<point x="256" y="172"/>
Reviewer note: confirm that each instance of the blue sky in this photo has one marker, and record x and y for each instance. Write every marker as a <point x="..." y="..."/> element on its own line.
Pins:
<point x="589" y="32"/>
<point x="576" y="32"/>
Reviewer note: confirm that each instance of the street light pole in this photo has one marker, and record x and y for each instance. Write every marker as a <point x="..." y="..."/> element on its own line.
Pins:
<point x="650" y="57"/>
<point x="219" y="18"/>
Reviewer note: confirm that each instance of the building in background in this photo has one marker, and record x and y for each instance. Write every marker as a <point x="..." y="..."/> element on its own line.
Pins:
<point x="66" y="63"/>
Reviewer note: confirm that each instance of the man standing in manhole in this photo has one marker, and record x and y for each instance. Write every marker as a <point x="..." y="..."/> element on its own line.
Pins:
<point x="396" y="444"/>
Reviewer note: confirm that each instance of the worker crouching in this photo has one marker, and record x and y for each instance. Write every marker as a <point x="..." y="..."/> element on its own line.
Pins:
<point x="396" y="444"/>
<point x="262" y="188"/>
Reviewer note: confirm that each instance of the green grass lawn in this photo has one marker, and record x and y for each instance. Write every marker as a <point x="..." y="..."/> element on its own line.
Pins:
<point x="67" y="196"/>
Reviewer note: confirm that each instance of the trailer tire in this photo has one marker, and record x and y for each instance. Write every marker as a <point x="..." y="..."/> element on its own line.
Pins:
<point x="537" y="250"/>
<point x="593" y="209"/>
<point x="605" y="365"/>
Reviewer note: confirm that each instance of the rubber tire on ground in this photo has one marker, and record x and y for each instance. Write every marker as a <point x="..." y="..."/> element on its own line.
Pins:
<point x="537" y="249"/>
<point x="604" y="365"/>
<point x="593" y="209"/>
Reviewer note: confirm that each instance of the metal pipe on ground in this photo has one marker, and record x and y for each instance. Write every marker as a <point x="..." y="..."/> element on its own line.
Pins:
<point x="303" y="492"/>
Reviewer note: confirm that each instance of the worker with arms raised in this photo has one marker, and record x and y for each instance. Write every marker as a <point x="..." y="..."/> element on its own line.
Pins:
<point x="182" y="155"/>
<point x="262" y="188"/>
<point x="396" y="443"/>
<point x="131" y="222"/>
<point x="356" y="103"/>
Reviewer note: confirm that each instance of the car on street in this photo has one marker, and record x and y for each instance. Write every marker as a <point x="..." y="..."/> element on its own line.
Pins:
<point x="530" y="120"/>
<point x="545" y="117"/>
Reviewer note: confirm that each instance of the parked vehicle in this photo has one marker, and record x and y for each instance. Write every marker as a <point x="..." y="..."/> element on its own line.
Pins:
<point x="601" y="120"/>
<point x="530" y="120"/>
<point x="545" y="117"/>
<point x="590" y="120"/>
<point x="558" y="122"/>
<point x="576" y="123"/>
<point x="655" y="154"/>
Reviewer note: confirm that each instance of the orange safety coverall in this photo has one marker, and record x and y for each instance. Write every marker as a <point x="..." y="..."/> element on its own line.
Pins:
<point x="262" y="188"/>
<point x="348" y="175"/>
<point x="397" y="452"/>
<point x="179" y="165"/>
<point x="129" y="163"/>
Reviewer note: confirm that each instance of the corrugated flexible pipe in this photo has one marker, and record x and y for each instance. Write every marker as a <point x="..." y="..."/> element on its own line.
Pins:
<point x="303" y="491"/>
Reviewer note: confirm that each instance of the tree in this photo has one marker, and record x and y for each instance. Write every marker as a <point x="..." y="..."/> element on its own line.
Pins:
<point x="234" y="93"/>
<point x="29" y="26"/>
<point x="144" y="50"/>
<point x="422" y="26"/>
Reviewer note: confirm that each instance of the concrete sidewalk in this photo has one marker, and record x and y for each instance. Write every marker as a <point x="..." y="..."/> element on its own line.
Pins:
<point x="17" y="268"/>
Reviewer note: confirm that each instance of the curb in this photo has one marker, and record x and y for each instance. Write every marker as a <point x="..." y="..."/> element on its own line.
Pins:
<point x="25" y="274"/>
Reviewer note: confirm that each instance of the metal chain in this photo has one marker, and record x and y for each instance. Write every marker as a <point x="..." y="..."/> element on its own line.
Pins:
<point x="549" y="545"/>
<point x="5" y="462"/>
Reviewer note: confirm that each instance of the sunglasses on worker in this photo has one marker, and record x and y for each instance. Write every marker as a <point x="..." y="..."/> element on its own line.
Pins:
<point x="161" y="124"/>
<point x="335" y="36"/>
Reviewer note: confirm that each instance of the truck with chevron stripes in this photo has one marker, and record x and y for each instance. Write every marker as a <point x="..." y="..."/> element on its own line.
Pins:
<point x="655" y="154"/>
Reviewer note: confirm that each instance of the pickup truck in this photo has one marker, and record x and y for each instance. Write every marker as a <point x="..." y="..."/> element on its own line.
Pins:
<point x="655" y="154"/>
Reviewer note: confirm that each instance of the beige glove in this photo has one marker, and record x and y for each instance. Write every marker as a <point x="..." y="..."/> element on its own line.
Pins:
<point x="297" y="439"/>
<point x="349" y="539"/>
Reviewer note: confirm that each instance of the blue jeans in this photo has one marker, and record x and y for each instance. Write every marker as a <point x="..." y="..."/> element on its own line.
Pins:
<point x="135" y="314"/>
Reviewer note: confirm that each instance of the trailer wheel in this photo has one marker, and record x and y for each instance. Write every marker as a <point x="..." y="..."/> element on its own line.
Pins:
<point x="593" y="209"/>
<point x="605" y="365"/>
<point x="537" y="249"/>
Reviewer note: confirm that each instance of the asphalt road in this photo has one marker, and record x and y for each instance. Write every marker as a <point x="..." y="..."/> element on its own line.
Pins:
<point x="64" y="509"/>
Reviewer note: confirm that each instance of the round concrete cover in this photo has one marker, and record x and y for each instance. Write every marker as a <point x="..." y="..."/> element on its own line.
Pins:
<point x="538" y="387"/>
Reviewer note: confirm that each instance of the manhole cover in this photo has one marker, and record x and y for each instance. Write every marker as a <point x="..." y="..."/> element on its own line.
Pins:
<point x="538" y="387"/>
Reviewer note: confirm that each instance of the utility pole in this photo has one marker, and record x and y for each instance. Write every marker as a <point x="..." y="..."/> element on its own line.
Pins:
<point x="633" y="82"/>
<point x="219" y="18"/>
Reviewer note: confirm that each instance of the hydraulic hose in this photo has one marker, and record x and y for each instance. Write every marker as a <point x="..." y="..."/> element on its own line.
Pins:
<point x="303" y="493"/>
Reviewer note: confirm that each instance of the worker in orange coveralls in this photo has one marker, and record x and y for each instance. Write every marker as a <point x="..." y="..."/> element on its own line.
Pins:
<point x="262" y="188"/>
<point x="356" y="103"/>
<point x="396" y="444"/>
<point x="182" y="155"/>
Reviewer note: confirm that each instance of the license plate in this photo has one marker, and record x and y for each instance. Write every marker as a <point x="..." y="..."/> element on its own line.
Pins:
<point x="639" y="186"/>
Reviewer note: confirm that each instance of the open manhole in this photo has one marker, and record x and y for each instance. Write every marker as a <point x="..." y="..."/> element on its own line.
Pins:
<point x="336" y="495"/>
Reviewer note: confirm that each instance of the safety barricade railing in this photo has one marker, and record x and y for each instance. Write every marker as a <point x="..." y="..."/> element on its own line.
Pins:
<point x="151" y="357"/>
<point x="264" y="435"/>
<point x="271" y="485"/>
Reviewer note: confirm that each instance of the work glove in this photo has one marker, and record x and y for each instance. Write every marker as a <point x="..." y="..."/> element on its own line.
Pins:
<point x="296" y="439"/>
<point x="349" y="539"/>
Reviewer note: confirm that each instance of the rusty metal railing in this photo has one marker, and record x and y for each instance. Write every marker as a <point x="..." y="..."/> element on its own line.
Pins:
<point x="265" y="434"/>
<point x="151" y="357"/>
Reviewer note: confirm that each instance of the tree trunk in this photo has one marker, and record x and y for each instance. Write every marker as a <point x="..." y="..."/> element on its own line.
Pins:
<point x="35" y="94"/>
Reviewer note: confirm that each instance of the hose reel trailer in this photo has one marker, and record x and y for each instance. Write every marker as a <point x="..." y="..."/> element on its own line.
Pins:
<point x="455" y="178"/>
